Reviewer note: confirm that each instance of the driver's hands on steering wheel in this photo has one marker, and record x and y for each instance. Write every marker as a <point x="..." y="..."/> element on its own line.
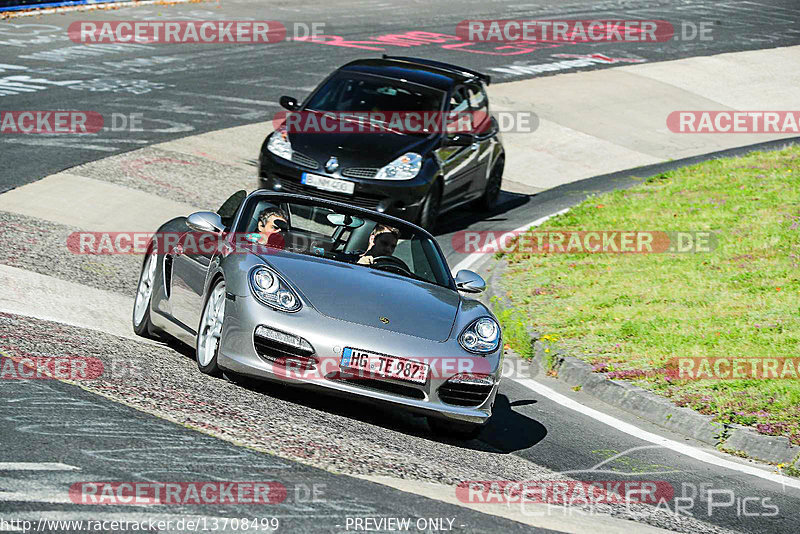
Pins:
<point x="366" y="260"/>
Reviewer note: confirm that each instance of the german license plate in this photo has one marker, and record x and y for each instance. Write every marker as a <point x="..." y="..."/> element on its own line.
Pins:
<point x="384" y="366"/>
<point x="328" y="184"/>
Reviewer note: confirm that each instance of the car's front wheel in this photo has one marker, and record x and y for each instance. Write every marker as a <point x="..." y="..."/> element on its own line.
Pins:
<point x="455" y="429"/>
<point x="209" y="335"/>
<point x="429" y="211"/>
<point x="142" y="325"/>
<point x="492" y="191"/>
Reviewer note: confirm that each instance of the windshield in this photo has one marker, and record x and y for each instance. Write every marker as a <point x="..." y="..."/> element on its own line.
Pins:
<point x="342" y="235"/>
<point x="345" y="93"/>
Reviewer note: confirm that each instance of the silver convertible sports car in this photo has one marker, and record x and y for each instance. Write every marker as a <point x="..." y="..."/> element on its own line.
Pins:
<point x="325" y="296"/>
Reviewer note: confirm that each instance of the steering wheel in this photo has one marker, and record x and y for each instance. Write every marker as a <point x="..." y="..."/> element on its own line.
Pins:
<point x="391" y="263"/>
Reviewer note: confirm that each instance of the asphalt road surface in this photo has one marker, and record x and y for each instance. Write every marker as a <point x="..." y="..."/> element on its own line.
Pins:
<point x="187" y="89"/>
<point x="184" y="89"/>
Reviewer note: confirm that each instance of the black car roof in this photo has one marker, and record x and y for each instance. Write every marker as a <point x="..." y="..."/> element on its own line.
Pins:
<point x="421" y="71"/>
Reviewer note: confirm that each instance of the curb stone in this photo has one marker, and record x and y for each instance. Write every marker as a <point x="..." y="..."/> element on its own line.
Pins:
<point x="640" y="402"/>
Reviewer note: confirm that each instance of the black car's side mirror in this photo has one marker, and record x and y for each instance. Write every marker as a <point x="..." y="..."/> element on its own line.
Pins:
<point x="462" y="139"/>
<point x="288" y="102"/>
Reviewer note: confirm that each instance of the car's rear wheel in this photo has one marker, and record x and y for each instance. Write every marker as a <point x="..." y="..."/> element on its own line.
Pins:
<point x="492" y="191"/>
<point x="209" y="334"/>
<point x="455" y="429"/>
<point x="430" y="208"/>
<point x="142" y="325"/>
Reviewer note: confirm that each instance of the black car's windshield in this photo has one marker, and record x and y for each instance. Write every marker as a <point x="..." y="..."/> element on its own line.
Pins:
<point x="343" y="235"/>
<point x="344" y="93"/>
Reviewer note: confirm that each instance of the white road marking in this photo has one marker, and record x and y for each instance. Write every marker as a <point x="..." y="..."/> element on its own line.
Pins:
<point x="32" y="496"/>
<point x="228" y="98"/>
<point x="52" y="299"/>
<point x="304" y="88"/>
<point x="540" y="515"/>
<point x="30" y="466"/>
<point x="681" y="448"/>
<point x="470" y="260"/>
<point x="104" y="206"/>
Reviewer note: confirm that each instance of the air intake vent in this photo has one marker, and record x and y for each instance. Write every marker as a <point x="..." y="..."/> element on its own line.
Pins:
<point x="299" y="353"/>
<point x="360" y="172"/>
<point x="305" y="161"/>
<point x="392" y="388"/>
<point x="463" y="394"/>
<point x="168" y="275"/>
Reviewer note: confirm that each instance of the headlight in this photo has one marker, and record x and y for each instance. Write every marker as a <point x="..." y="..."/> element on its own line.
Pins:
<point x="481" y="336"/>
<point x="271" y="290"/>
<point x="405" y="167"/>
<point x="279" y="144"/>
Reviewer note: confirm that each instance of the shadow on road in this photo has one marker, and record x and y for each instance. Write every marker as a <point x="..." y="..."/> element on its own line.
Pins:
<point x="465" y="216"/>
<point x="508" y="431"/>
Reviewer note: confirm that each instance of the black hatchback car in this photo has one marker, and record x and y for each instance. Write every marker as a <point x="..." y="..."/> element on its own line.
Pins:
<point x="413" y="174"/>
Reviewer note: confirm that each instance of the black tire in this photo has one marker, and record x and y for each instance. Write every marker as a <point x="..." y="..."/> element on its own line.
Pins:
<point x="145" y="327"/>
<point x="431" y="205"/>
<point x="208" y="365"/>
<point x="493" y="185"/>
<point x="455" y="429"/>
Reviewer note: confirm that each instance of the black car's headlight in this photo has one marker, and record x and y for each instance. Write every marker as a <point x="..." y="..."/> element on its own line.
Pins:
<point x="279" y="144"/>
<point x="481" y="336"/>
<point x="270" y="289"/>
<point x="405" y="167"/>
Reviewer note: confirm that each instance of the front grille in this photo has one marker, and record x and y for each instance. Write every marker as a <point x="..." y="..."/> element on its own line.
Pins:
<point x="305" y="161"/>
<point x="464" y="394"/>
<point x="384" y="387"/>
<point x="276" y="352"/>
<point x="360" y="172"/>
<point x="356" y="199"/>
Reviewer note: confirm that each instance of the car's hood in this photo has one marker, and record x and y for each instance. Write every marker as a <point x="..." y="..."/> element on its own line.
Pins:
<point x="362" y="295"/>
<point x="358" y="149"/>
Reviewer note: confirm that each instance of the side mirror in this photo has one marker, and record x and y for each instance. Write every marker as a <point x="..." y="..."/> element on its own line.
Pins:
<point x="461" y="139"/>
<point x="288" y="102"/>
<point x="205" y="221"/>
<point x="469" y="282"/>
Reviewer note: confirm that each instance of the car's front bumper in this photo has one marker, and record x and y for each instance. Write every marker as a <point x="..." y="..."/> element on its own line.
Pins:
<point x="329" y="336"/>
<point x="400" y="198"/>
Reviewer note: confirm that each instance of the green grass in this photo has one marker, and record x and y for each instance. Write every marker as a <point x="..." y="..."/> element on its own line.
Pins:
<point x="627" y="312"/>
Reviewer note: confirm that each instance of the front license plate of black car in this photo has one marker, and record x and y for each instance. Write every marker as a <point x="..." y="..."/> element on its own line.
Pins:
<point x="329" y="184"/>
<point x="384" y="365"/>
